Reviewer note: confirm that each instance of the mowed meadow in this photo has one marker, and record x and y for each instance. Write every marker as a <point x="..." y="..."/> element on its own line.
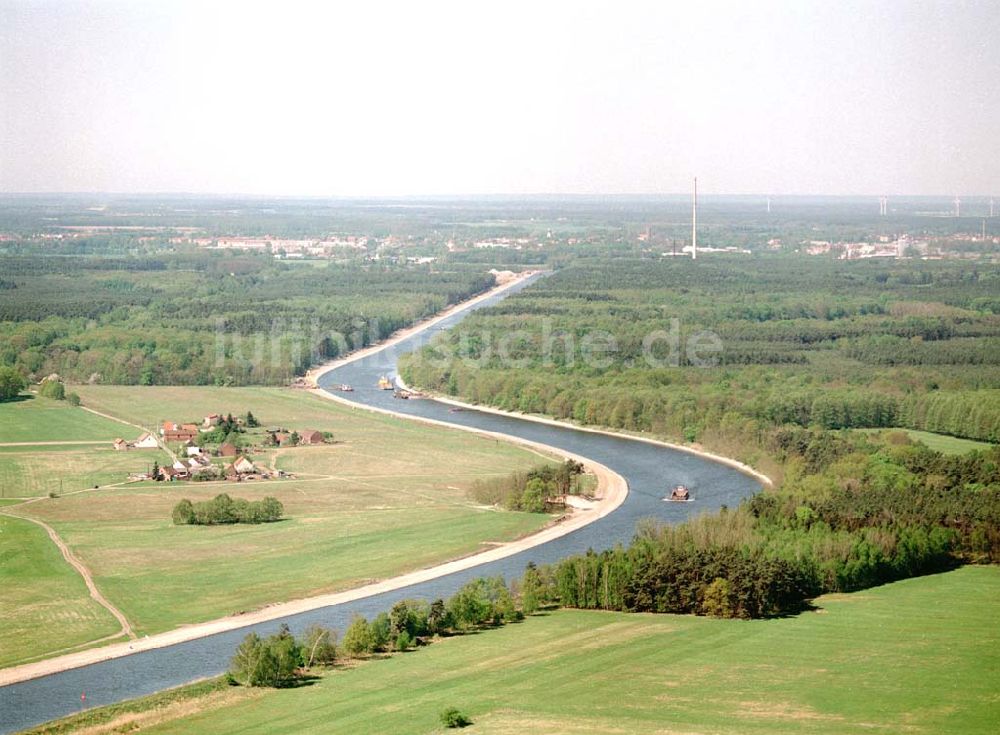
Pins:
<point x="386" y="497"/>
<point x="917" y="656"/>
<point x="32" y="419"/>
<point x="49" y="446"/>
<point x="46" y="606"/>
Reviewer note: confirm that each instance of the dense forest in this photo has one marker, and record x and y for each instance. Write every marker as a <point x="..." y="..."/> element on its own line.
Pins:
<point x="803" y="341"/>
<point x="203" y="318"/>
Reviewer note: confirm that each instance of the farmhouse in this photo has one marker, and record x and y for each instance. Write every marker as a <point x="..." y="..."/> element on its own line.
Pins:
<point x="311" y="436"/>
<point x="244" y="466"/>
<point x="145" y="441"/>
<point x="120" y="445"/>
<point x="173" y="473"/>
<point x="228" y="450"/>
<point x="213" y="419"/>
<point x="173" y="432"/>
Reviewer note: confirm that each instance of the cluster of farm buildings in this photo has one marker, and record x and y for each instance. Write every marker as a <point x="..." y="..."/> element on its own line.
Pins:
<point x="197" y="461"/>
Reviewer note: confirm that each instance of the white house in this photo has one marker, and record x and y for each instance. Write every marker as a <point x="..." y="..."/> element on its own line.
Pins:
<point x="145" y="441"/>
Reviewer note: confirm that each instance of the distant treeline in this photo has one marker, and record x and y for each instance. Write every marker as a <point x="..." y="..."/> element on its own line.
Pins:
<point x="804" y="341"/>
<point x="206" y="318"/>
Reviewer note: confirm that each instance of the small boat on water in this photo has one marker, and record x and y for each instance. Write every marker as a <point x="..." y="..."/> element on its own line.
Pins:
<point x="385" y="384"/>
<point x="680" y="494"/>
<point x="345" y="388"/>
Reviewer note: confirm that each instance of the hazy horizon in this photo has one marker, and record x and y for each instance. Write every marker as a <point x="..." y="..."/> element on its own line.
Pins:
<point x="452" y="100"/>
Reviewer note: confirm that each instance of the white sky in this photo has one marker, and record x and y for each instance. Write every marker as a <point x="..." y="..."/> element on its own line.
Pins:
<point x="383" y="98"/>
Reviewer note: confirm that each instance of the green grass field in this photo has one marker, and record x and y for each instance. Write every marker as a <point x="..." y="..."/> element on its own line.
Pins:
<point x="42" y="596"/>
<point x="386" y="498"/>
<point x="33" y="471"/>
<point x="918" y="656"/>
<point x="163" y="575"/>
<point x="939" y="442"/>
<point x="35" y="419"/>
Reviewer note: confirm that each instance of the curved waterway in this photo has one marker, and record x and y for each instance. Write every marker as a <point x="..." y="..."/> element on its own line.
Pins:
<point x="649" y="470"/>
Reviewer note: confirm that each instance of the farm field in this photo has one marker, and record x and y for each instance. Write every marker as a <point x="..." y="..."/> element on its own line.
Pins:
<point x="42" y="594"/>
<point x="921" y="656"/>
<point x="389" y="496"/>
<point x="63" y="468"/>
<point x="37" y="419"/>
<point x="940" y="442"/>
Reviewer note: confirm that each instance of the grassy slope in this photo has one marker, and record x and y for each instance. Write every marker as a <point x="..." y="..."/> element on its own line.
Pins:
<point x="388" y="497"/>
<point x="938" y="442"/>
<point x="41" y="591"/>
<point x="921" y="656"/>
<point x="36" y="419"/>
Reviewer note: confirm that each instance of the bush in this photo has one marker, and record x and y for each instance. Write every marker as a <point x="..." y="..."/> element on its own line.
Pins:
<point x="183" y="513"/>
<point x="319" y="646"/>
<point x="452" y="717"/>
<point x="270" y="662"/>
<point x="11" y="383"/>
<point x="716" y="601"/>
<point x="358" y="637"/>
<point x="381" y="632"/>
<point x="73" y="399"/>
<point x="403" y="642"/>
<point x="53" y="389"/>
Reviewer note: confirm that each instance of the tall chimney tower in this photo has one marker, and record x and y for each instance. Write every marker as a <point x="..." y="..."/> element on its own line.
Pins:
<point x="694" y="221"/>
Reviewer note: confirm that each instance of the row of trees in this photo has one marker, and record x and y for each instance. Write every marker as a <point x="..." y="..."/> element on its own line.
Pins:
<point x="223" y="509"/>
<point x="280" y="660"/>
